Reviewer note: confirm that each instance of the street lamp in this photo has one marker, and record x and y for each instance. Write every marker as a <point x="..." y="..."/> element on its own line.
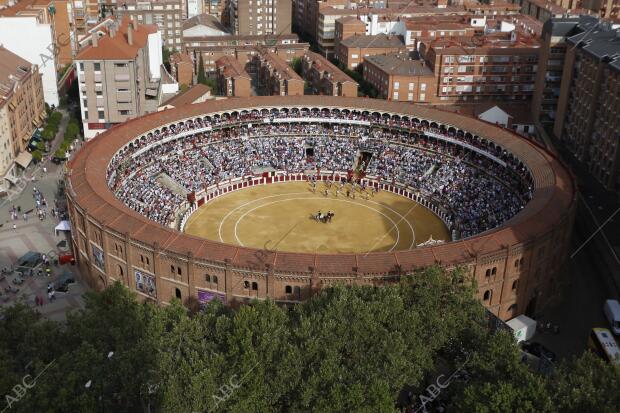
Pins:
<point x="89" y="383"/>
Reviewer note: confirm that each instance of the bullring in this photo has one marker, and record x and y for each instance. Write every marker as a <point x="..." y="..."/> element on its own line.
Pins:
<point x="516" y="264"/>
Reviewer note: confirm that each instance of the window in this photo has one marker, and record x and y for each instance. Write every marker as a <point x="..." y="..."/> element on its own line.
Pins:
<point x="214" y="279"/>
<point x="255" y="286"/>
<point x="422" y="96"/>
<point x="81" y="66"/>
<point x="515" y="284"/>
<point x="487" y="296"/>
<point x="494" y="271"/>
<point x="100" y="114"/>
<point x="177" y="293"/>
<point x="410" y="86"/>
<point x="487" y="273"/>
<point x="208" y="278"/>
<point x="288" y="289"/>
<point x="179" y="271"/>
<point x="396" y="85"/>
<point x="246" y="285"/>
<point x="97" y="67"/>
<point x="123" y="112"/>
<point x="423" y="87"/>
<point x="395" y="97"/>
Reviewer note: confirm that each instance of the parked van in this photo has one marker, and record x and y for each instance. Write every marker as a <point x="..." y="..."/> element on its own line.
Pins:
<point x="612" y="312"/>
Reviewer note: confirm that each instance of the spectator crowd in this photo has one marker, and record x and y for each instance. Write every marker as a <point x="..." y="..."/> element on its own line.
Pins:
<point x="153" y="174"/>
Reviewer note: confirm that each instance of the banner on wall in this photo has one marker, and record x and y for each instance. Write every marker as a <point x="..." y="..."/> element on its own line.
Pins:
<point x="205" y="296"/>
<point x="98" y="258"/>
<point x="145" y="283"/>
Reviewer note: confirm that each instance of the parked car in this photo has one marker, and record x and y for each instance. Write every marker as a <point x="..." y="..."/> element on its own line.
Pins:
<point x="538" y="350"/>
<point x="62" y="284"/>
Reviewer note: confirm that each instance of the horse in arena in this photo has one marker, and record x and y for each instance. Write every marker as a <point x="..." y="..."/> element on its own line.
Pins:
<point x="324" y="218"/>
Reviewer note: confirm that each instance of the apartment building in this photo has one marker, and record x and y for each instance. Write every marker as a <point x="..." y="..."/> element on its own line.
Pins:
<point x="56" y="14"/>
<point x="347" y="27"/>
<point x="609" y="9"/>
<point x="387" y="20"/>
<point x="182" y="68"/>
<point x="555" y="32"/>
<point x="354" y="49"/>
<point x="121" y="76"/>
<point x="401" y="77"/>
<point x="426" y="29"/>
<point x="499" y="66"/>
<point x="232" y="79"/>
<point x="325" y="78"/>
<point x="587" y="117"/>
<point x="259" y="17"/>
<point x="275" y="76"/>
<point x="22" y="110"/>
<point x="167" y="15"/>
<point x="242" y="48"/>
<point x="211" y="7"/>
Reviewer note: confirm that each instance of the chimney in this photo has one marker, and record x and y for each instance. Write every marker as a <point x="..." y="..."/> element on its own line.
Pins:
<point x="94" y="38"/>
<point x="130" y="33"/>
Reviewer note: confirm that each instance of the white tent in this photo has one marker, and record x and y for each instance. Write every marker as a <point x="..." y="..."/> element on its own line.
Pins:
<point x="62" y="226"/>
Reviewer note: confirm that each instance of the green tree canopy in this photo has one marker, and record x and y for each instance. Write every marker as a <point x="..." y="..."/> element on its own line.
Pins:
<point x="346" y="349"/>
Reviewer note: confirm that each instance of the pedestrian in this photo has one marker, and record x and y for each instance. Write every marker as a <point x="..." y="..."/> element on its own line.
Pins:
<point x="53" y="295"/>
<point x="25" y="216"/>
<point x="14" y="226"/>
<point x="44" y="170"/>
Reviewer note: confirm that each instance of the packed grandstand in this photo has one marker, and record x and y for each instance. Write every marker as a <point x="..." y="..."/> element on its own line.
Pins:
<point x="479" y="184"/>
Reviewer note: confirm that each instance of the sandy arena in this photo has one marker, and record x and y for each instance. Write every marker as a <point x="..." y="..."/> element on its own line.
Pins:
<point x="280" y="217"/>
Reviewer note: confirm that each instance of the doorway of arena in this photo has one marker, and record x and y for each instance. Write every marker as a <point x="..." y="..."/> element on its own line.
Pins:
<point x="285" y="217"/>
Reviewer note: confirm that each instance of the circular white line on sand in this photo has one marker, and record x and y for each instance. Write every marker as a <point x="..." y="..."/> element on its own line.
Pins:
<point x="339" y="200"/>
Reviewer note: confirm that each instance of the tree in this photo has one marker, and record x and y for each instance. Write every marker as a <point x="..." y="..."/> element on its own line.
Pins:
<point x="296" y="65"/>
<point x="585" y="383"/>
<point x="349" y="348"/>
<point x="202" y="78"/>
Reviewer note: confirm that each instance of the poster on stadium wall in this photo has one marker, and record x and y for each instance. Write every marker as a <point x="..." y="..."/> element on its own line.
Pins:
<point x="205" y="296"/>
<point x="98" y="258"/>
<point x="145" y="283"/>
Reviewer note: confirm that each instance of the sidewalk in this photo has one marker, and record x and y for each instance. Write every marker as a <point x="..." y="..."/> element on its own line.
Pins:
<point x="37" y="235"/>
<point x="36" y="170"/>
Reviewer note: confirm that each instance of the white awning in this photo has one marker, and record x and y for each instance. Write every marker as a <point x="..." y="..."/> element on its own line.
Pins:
<point x="24" y="159"/>
<point x="62" y="226"/>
